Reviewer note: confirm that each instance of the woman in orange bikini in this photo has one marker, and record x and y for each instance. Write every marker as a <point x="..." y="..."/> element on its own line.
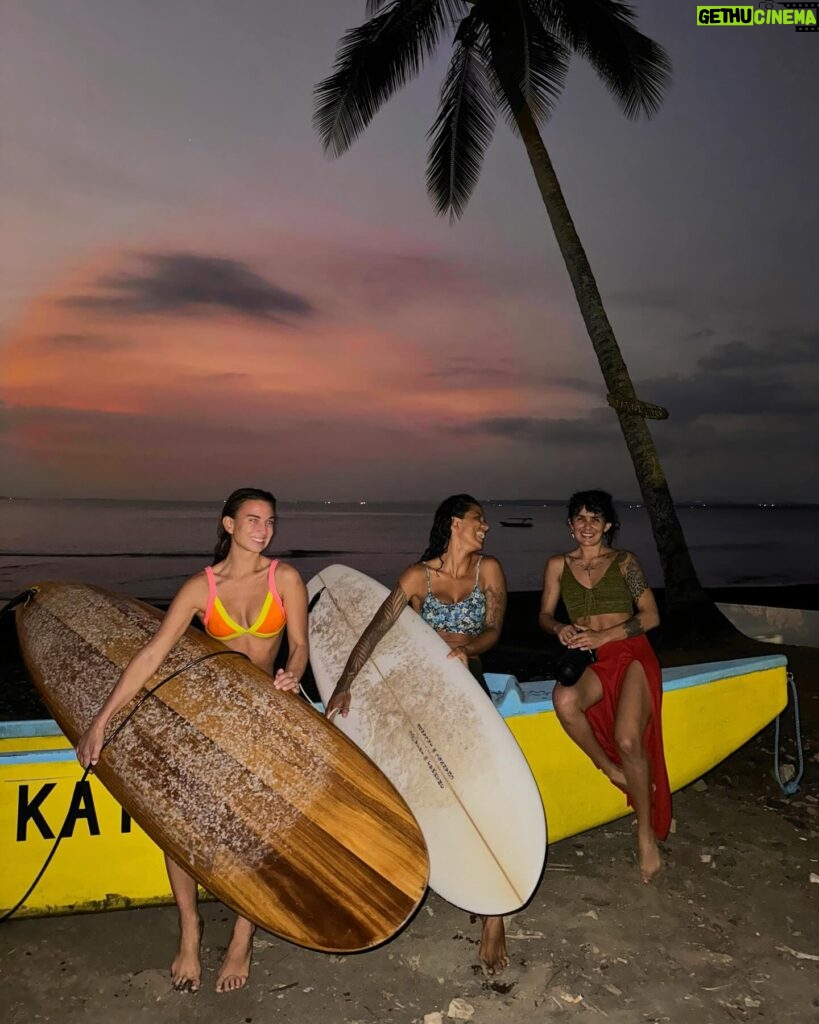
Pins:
<point x="613" y="712"/>
<point x="264" y="597"/>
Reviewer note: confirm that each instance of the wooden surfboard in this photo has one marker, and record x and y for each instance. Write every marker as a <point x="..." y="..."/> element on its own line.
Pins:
<point x="427" y="724"/>
<point x="263" y="801"/>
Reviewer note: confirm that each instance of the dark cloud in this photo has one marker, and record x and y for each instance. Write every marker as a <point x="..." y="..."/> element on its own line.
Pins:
<point x="598" y="427"/>
<point x="85" y="343"/>
<point x="703" y="394"/>
<point x="737" y="378"/>
<point x="787" y="440"/>
<point x="184" y="283"/>
<point x="506" y="372"/>
<point x="781" y="350"/>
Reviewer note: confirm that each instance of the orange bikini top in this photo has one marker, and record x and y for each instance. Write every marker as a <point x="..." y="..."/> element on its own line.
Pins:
<point x="269" y="622"/>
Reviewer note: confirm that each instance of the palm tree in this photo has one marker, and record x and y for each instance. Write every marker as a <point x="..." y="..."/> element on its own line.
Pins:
<point x="512" y="56"/>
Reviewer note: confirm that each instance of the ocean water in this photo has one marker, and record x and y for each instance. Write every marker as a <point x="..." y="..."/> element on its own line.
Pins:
<point x="148" y="548"/>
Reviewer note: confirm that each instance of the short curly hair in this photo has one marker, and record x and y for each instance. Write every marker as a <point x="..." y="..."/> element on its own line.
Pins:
<point x="600" y="503"/>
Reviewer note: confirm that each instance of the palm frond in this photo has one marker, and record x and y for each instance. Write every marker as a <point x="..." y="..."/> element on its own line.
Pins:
<point x="528" y="63"/>
<point x="635" y="69"/>
<point x="453" y="9"/>
<point x="463" y="128"/>
<point x="374" y="6"/>
<point x="373" y="61"/>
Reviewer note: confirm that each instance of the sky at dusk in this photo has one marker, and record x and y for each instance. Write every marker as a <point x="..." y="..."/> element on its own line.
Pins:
<point x="193" y="297"/>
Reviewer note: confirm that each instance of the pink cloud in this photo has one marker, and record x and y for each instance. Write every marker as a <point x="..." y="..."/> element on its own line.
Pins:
<point x="349" y="371"/>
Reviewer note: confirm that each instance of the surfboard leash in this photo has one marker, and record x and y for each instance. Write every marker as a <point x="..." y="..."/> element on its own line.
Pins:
<point x="25" y="597"/>
<point x="790" y="787"/>
<point x="22" y="598"/>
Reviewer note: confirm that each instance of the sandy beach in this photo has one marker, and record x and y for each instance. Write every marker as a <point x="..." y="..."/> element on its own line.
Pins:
<point x="727" y="933"/>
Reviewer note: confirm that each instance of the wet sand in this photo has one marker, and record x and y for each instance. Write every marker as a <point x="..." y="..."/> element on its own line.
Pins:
<point x="729" y="932"/>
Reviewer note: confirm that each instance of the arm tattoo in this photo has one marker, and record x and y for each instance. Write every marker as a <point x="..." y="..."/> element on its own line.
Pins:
<point x="495" y="607"/>
<point x="635" y="581"/>
<point x="633" y="626"/>
<point x="380" y="625"/>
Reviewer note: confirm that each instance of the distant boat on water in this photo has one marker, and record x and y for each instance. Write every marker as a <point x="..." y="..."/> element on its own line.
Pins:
<point x="520" y="521"/>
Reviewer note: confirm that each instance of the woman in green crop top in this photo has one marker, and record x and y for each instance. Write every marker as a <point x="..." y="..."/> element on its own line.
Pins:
<point x="613" y="712"/>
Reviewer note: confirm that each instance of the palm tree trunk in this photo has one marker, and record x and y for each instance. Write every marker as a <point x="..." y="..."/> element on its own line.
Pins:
<point x="683" y="588"/>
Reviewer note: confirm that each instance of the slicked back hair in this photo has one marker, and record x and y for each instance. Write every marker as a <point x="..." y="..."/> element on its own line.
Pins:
<point x="231" y="509"/>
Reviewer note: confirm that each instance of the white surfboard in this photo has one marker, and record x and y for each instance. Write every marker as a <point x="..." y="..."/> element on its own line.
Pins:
<point x="429" y="727"/>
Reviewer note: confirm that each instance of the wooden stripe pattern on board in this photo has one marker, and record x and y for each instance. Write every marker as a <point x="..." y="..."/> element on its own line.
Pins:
<point x="267" y="804"/>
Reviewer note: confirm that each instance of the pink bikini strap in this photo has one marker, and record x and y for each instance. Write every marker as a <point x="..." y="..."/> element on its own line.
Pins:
<point x="271" y="581"/>
<point x="211" y="592"/>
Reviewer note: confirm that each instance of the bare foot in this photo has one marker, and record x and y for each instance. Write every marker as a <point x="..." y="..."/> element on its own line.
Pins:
<point x="650" y="860"/>
<point x="235" y="967"/>
<point x="493" y="945"/>
<point x="617" y="777"/>
<point x="186" y="970"/>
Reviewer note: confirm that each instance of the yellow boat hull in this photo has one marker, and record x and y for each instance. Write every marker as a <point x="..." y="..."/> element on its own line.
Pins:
<point x="709" y="711"/>
<point x="106" y="861"/>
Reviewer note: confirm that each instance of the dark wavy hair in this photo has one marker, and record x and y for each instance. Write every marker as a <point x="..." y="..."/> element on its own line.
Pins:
<point x="230" y="509"/>
<point x="456" y="505"/>
<point x="600" y="503"/>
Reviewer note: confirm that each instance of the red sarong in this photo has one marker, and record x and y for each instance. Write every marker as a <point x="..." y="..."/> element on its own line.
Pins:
<point x="612" y="661"/>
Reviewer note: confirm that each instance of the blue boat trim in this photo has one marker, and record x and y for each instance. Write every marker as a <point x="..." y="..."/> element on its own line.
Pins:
<point x="512" y="698"/>
<point x="36" y="728"/>
<point x="32" y="727"/>
<point x="693" y="675"/>
<point x="38" y="757"/>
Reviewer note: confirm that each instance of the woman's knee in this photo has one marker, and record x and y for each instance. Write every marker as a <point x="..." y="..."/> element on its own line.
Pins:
<point x="628" y="743"/>
<point x="565" y="701"/>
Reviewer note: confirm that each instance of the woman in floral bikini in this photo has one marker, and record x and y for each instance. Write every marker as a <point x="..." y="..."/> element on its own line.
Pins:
<point x="462" y="595"/>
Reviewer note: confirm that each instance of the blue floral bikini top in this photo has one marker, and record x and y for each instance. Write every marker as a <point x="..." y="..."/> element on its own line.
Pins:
<point x="467" y="616"/>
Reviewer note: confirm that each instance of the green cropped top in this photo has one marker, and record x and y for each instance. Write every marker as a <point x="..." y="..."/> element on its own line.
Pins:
<point x="609" y="595"/>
